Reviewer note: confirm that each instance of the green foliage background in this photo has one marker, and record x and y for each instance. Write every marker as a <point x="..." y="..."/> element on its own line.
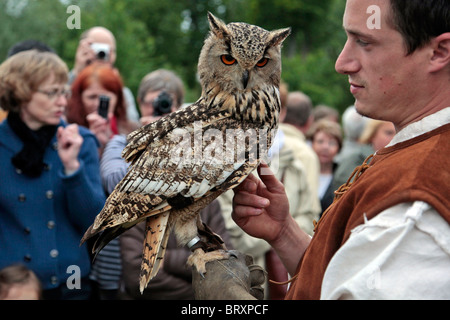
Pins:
<point x="155" y="34"/>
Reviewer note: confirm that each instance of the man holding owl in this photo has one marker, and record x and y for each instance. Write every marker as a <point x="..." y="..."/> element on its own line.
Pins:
<point x="387" y="234"/>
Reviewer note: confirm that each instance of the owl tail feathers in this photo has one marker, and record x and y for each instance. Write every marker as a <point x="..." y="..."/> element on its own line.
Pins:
<point x="100" y="240"/>
<point x="155" y="243"/>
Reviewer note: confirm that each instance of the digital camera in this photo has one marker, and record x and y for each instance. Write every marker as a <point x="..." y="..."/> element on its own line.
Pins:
<point x="102" y="50"/>
<point x="162" y="104"/>
<point x="103" y="106"/>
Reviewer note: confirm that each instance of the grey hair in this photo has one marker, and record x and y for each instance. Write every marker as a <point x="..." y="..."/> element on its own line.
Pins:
<point x="353" y="123"/>
<point x="162" y="80"/>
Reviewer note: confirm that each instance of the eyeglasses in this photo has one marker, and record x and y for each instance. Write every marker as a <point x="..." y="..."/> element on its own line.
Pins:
<point x="56" y="93"/>
<point x="148" y="103"/>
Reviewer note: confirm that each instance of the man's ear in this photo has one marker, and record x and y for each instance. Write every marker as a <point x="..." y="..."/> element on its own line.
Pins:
<point x="441" y="52"/>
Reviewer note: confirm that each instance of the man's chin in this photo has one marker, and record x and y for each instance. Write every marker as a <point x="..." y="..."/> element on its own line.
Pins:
<point x="363" y="109"/>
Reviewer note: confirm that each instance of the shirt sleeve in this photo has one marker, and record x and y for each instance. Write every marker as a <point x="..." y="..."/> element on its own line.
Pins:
<point x="85" y="195"/>
<point x="402" y="253"/>
<point x="112" y="166"/>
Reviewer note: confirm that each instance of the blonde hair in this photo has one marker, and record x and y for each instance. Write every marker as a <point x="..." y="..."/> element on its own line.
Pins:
<point x="370" y="130"/>
<point x="329" y="127"/>
<point x="23" y="73"/>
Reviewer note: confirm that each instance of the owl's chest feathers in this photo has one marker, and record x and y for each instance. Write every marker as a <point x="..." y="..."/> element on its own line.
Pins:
<point x="261" y="107"/>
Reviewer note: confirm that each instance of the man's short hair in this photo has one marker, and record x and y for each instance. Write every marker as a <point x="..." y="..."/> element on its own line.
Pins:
<point x="298" y="108"/>
<point x="419" y="21"/>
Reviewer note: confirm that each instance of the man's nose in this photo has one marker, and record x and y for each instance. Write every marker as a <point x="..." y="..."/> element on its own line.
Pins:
<point x="347" y="63"/>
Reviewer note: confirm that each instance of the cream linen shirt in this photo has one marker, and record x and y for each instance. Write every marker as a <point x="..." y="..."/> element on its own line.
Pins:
<point x="402" y="253"/>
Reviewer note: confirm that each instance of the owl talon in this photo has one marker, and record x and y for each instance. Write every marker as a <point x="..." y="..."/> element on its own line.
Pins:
<point x="199" y="259"/>
<point x="232" y="254"/>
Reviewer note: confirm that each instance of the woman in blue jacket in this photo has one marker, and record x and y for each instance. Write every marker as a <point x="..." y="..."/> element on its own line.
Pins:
<point x="50" y="187"/>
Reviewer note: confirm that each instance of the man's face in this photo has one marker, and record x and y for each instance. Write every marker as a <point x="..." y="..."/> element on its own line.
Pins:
<point x="104" y="37"/>
<point x="385" y="81"/>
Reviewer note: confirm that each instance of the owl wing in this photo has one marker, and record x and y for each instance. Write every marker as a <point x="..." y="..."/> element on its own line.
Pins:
<point x="174" y="162"/>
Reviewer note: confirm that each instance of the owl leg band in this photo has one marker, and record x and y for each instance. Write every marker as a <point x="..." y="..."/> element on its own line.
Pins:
<point x="193" y="242"/>
<point x="196" y="243"/>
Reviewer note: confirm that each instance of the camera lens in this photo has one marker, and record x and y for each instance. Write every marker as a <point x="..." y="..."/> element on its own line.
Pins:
<point x="162" y="104"/>
<point x="101" y="54"/>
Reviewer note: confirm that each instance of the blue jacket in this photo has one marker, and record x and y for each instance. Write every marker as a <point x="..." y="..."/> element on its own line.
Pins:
<point x="43" y="219"/>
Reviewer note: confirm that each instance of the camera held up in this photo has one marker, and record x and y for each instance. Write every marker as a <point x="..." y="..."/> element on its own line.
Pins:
<point x="162" y="104"/>
<point x="102" y="50"/>
<point x="103" y="106"/>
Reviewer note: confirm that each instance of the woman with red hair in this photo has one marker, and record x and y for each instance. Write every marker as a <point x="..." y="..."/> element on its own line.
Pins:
<point x="99" y="79"/>
<point x="96" y="80"/>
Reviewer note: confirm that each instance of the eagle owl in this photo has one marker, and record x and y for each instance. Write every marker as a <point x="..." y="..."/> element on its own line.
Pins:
<point x="182" y="162"/>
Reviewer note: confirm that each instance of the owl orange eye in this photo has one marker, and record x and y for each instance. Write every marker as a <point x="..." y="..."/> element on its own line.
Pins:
<point x="261" y="63"/>
<point x="228" y="60"/>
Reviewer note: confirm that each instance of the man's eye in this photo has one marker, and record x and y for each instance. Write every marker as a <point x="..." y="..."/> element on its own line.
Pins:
<point x="362" y="43"/>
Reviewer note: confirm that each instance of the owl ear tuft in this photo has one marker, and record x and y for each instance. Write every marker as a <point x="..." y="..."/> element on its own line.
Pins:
<point x="277" y="37"/>
<point x="217" y="26"/>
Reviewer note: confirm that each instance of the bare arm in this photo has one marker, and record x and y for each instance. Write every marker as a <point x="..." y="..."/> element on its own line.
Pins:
<point x="261" y="208"/>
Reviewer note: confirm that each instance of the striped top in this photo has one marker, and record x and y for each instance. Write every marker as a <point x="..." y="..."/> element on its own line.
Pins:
<point x="107" y="267"/>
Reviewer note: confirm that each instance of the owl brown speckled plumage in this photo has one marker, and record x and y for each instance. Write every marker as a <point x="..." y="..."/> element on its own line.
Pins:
<point x="182" y="162"/>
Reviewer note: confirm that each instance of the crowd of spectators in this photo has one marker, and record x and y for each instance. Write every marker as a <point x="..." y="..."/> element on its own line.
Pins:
<point x="60" y="158"/>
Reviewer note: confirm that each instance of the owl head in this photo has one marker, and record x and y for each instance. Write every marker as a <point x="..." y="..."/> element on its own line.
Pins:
<point x="240" y="56"/>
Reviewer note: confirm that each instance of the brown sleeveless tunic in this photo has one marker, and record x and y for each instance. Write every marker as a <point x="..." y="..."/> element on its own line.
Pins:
<point x="413" y="170"/>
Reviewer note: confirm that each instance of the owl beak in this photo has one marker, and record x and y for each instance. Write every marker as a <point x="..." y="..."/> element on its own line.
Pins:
<point x="245" y="77"/>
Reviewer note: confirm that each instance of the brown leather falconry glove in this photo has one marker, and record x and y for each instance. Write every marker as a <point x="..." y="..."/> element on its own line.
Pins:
<point x="236" y="278"/>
